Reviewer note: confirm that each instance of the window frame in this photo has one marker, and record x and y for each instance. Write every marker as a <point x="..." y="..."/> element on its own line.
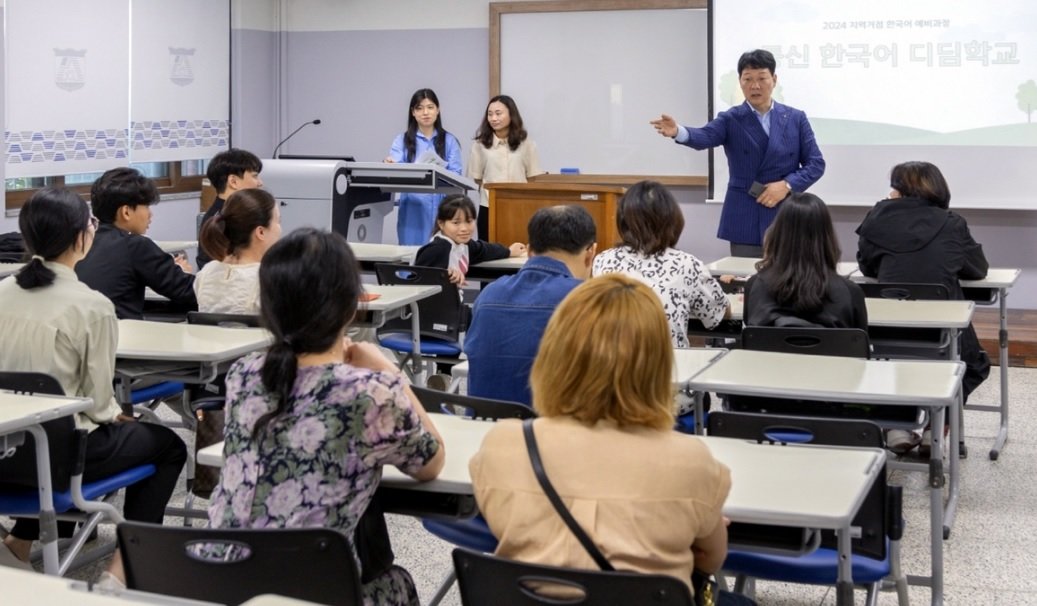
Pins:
<point x="175" y="183"/>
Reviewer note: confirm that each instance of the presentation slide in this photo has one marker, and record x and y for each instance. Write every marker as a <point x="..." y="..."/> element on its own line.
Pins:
<point x="884" y="81"/>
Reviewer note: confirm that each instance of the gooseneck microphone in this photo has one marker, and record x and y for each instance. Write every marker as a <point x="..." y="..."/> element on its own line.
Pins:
<point x="285" y="140"/>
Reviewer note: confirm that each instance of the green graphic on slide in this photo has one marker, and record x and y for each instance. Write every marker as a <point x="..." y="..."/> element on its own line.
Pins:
<point x="853" y="132"/>
<point x="1027" y="97"/>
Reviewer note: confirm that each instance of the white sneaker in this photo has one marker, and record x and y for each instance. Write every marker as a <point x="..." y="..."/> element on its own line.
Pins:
<point x="8" y="559"/>
<point x="899" y="441"/>
<point x="109" y="583"/>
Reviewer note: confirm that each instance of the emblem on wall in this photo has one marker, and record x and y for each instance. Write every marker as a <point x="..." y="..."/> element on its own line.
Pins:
<point x="180" y="71"/>
<point x="69" y="72"/>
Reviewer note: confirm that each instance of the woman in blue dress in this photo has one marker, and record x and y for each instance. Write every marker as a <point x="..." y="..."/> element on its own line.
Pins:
<point x="424" y="137"/>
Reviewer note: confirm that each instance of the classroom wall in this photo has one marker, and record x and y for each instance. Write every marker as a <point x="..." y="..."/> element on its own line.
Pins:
<point x="354" y="65"/>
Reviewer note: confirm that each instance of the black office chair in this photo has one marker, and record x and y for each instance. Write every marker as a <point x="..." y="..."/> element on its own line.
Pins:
<point x="206" y="408"/>
<point x="225" y="320"/>
<point x="876" y="553"/>
<point x="908" y="343"/>
<point x="486" y="579"/>
<point x="471" y="407"/>
<point x="847" y="342"/>
<point x="443" y="317"/>
<point x="74" y="500"/>
<point x="232" y="566"/>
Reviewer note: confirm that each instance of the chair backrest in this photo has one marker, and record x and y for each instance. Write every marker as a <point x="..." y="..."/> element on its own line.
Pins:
<point x="469" y="406"/>
<point x="847" y="342"/>
<point x="486" y="579"/>
<point x="905" y="291"/>
<point x="872" y="516"/>
<point x="442" y="315"/>
<point x="226" y="320"/>
<point x="20" y="469"/>
<point x="231" y="566"/>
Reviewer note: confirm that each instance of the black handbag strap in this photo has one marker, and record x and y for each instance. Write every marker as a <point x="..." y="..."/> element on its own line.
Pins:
<point x="556" y="501"/>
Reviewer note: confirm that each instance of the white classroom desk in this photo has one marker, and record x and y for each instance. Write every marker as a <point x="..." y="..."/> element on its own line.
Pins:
<point x="768" y="483"/>
<point x="487" y="271"/>
<point x="20" y="412"/>
<point x="369" y="253"/>
<point x="192" y="353"/>
<point x="687" y="363"/>
<point x="174" y="246"/>
<point x="994" y="287"/>
<point x="997" y="282"/>
<point x="391" y="301"/>
<point x="24" y="587"/>
<point x="743" y="267"/>
<point x="932" y="384"/>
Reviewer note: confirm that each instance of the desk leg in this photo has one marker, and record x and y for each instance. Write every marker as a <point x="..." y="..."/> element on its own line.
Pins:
<point x="844" y="585"/>
<point x="48" y="519"/>
<point x="700" y="412"/>
<point x="936" y="507"/>
<point x="954" y="464"/>
<point x="1002" y="432"/>
<point x="415" y="327"/>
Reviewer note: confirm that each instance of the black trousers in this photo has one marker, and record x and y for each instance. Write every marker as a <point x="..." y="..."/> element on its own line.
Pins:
<point x="115" y="447"/>
<point x="482" y="223"/>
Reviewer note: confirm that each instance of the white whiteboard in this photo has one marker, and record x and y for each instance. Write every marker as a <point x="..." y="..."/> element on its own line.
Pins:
<point x="587" y="83"/>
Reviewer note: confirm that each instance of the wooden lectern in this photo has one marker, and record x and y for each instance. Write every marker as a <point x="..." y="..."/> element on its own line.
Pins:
<point x="512" y="205"/>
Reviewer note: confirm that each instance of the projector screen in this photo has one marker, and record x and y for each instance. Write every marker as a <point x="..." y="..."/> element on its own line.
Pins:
<point x="882" y="82"/>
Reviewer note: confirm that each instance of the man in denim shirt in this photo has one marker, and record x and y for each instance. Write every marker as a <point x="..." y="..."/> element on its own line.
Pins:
<point x="510" y="314"/>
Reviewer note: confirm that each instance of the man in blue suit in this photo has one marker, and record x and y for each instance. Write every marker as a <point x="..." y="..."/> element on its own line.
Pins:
<point x="766" y="143"/>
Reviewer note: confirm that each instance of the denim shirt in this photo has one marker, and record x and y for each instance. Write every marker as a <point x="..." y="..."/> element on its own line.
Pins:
<point x="508" y="320"/>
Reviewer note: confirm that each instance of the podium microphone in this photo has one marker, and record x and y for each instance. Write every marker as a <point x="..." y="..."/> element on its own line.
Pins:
<point x="285" y="140"/>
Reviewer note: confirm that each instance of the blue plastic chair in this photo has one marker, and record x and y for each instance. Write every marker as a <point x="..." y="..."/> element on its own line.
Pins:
<point x="19" y="494"/>
<point x="443" y="317"/>
<point x="876" y="554"/>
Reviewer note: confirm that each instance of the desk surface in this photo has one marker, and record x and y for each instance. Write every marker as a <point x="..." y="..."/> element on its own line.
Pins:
<point x="24" y="587"/>
<point x="18" y="411"/>
<point x="746" y="266"/>
<point x="997" y="277"/>
<point x="689" y="362"/>
<point x="513" y="263"/>
<point x="784" y="375"/>
<point x="382" y="253"/>
<point x="142" y="340"/>
<point x="392" y="296"/>
<point x="172" y="246"/>
<point x="838" y="480"/>
<point x="898" y="314"/>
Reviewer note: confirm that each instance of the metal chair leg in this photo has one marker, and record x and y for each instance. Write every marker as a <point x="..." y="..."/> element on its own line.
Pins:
<point x="444" y="588"/>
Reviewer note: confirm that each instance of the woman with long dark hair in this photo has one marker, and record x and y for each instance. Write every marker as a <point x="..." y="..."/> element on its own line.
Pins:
<point x="425" y="141"/>
<point x="54" y="324"/>
<point x="796" y="282"/>
<point x="314" y="418"/>
<point x="502" y="153"/>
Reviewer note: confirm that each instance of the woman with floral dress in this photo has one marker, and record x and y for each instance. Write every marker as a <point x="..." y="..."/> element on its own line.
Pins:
<point x="312" y="420"/>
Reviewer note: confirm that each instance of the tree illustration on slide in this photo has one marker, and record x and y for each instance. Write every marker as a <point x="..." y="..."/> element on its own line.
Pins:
<point x="1027" y="97"/>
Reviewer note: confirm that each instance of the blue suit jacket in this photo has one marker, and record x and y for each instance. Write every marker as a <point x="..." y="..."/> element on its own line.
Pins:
<point x="790" y="153"/>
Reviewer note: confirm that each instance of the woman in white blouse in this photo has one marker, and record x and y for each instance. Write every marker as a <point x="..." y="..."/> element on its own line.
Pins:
<point x="236" y="240"/>
<point x="650" y="222"/>
<point x="502" y="153"/>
